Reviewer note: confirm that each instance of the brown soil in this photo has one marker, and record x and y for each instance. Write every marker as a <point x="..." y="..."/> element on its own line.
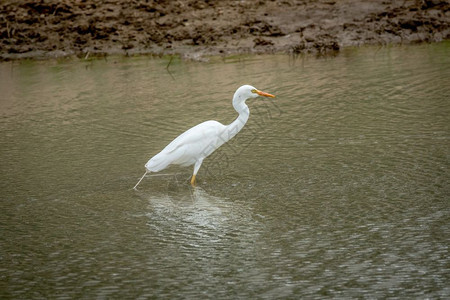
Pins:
<point x="197" y="28"/>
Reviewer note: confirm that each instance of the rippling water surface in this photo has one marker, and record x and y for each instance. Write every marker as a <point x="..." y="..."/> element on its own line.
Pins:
<point x="337" y="188"/>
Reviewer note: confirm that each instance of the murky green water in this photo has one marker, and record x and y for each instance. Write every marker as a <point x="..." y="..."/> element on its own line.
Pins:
<point x="337" y="188"/>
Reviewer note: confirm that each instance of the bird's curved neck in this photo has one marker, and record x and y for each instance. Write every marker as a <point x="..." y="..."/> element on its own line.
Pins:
<point x="238" y="124"/>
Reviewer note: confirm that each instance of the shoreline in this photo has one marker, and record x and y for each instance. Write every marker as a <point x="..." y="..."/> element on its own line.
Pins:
<point x="196" y="29"/>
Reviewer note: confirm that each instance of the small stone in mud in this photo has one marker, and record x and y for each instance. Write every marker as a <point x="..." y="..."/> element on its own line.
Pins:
<point x="309" y="38"/>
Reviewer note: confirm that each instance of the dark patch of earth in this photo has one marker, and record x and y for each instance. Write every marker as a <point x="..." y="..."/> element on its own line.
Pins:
<point x="195" y="29"/>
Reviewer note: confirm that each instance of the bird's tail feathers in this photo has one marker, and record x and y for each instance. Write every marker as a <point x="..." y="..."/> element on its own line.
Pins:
<point x="157" y="163"/>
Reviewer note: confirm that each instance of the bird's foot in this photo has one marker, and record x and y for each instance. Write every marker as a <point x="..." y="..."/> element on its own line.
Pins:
<point x="193" y="180"/>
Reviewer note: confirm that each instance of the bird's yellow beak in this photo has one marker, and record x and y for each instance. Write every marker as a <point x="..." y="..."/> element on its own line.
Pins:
<point x="264" y="94"/>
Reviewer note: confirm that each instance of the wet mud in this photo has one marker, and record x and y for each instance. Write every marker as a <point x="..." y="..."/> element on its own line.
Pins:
<point x="196" y="29"/>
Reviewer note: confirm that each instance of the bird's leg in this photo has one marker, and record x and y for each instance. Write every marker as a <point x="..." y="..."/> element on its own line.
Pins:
<point x="196" y="167"/>
<point x="140" y="179"/>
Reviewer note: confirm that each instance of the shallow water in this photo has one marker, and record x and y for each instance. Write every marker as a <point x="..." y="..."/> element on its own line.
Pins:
<point x="337" y="188"/>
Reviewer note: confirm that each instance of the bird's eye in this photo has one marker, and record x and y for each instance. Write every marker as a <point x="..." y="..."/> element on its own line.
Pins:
<point x="254" y="91"/>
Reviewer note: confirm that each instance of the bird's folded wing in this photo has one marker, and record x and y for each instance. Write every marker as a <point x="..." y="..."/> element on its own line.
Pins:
<point x="205" y="132"/>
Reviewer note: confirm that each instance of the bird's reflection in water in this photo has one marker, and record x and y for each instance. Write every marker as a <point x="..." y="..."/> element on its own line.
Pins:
<point x="194" y="218"/>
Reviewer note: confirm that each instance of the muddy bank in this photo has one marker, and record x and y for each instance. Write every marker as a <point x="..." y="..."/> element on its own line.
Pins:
<point x="197" y="28"/>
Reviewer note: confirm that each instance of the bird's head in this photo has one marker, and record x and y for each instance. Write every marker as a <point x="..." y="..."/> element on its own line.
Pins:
<point x="247" y="91"/>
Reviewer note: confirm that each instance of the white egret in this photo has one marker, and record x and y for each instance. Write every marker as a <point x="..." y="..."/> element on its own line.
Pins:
<point x="197" y="143"/>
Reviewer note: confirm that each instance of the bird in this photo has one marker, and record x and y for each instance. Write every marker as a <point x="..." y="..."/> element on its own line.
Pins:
<point x="200" y="141"/>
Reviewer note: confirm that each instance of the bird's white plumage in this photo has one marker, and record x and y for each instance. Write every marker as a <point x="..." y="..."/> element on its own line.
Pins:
<point x="197" y="143"/>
